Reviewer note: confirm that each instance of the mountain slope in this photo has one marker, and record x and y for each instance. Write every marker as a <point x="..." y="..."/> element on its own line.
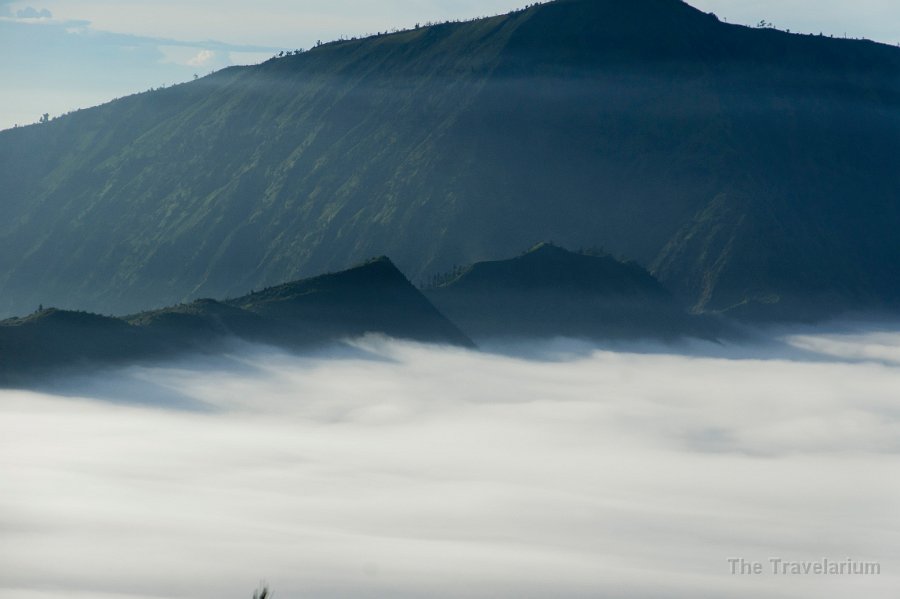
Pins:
<point x="550" y="292"/>
<point x="371" y="298"/>
<point x="585" y="121"/>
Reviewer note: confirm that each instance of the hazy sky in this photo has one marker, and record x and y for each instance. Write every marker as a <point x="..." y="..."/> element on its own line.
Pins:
<point x="595" y="474"/>
<point x="64" y="54"/>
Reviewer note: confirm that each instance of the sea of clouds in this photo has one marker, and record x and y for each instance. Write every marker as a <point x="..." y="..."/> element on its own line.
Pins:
<point x="394" y="469"/>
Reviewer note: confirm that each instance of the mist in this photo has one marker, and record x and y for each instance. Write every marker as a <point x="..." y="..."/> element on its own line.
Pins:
<point x="391" y="469"/>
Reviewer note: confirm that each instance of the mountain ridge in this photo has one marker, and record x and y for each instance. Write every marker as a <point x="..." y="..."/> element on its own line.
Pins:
<point x="550" y="292"/>
<point x="373" y="297"/>
<point x="593" y="123"/>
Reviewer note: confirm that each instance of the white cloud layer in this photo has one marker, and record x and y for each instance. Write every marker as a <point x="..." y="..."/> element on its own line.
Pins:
<point x="417" y="471"/>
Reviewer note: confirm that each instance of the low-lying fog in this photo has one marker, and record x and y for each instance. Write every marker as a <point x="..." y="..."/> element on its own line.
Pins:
<point x="401" y="470"/>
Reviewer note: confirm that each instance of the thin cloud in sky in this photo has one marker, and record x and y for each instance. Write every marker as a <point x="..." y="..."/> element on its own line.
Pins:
<point x="203" y="58"/>
<point x="249" y="32"/>
<point x="32" y="13"/>
<point x="60" y="65"/>
<point x="283" y="23"/>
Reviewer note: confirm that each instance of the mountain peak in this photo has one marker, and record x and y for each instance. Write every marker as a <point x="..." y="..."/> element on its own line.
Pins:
<point x="608" y="120"/>
<point x="546" y="247"/>
<point x="373" y="296"/>
<point x="380" y="264"/>
<point x="549" y="251"/>
<point x="550" y="291"/>
<point x="579" y="29"/>
<point x="549" y="266"/>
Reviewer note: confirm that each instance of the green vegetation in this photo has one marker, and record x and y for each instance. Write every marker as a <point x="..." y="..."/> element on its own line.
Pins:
<point x="751" y="170"/>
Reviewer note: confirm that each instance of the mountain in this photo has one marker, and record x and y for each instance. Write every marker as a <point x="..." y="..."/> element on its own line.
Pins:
<point x="371" y="298"/>
<point x="53" y="339"/>
<point x="751" y="170"/>
<point x="549" y="291"/>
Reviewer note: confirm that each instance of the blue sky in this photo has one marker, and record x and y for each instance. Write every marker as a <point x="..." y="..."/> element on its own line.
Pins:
<point x="65" y="54"/>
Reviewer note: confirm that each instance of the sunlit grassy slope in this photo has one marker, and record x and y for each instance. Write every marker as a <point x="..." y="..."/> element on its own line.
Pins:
<point x="751" y="170"/>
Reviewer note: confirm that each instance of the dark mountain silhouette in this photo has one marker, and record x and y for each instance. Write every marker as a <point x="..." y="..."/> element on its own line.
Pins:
<point x="371" y="298"/>
<point x="52" y="339"/>
<point x="549" y="292"/>
<point x="750" y="170"/>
